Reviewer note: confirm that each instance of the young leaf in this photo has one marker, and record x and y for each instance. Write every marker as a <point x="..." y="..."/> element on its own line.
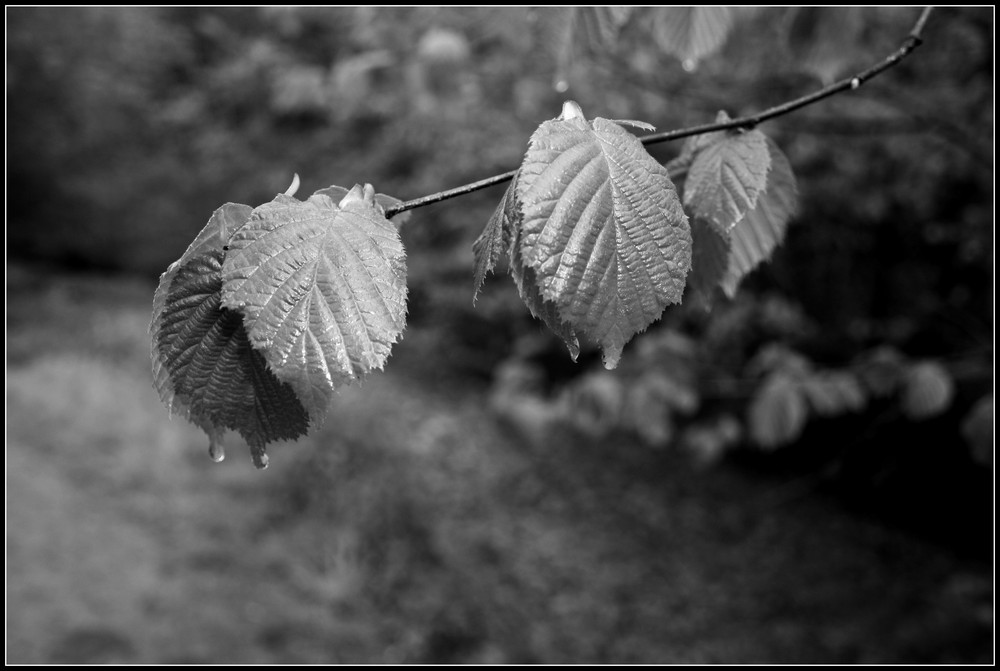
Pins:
<point x="725" y="178"/>
<point x="778" y="412"/>
<point x="602" y="228"/>
<point x="755" y="237"/>
<point x="211" y="369"/>
<point x="691" y="33"/>
<point x="322" y="286"/>
<point x="382" y="202"/>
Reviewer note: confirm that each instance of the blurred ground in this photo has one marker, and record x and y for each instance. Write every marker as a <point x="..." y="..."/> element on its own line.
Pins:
<point x="416" y="527"/>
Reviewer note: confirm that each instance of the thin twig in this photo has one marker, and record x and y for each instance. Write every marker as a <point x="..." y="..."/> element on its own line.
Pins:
<point x="912" y="41"/>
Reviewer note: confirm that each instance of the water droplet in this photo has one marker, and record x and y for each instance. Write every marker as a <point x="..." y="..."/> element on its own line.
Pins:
<point x="216" y="450"/>
<point x="855" y="83"/>
<point x="259" y="456"/>
<point x="689" y="64"/>
<point x="561" y="86"/>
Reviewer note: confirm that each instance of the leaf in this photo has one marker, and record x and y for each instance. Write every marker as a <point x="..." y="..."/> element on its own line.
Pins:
<point x="223" y="222"/>
<point x="778" y="412"/>
<point x="762" y="229"/>
<point x="834" y="393"/>
<point x="977" y="429"/>
<point x="881" y="370"/>
<point x="495" y="238"/>
<point x="527" y="288"/>
<point x="600" y="25"/>
<point x="725" y="178"/>
<point x="927" y="390"/>
<point x="710" y="259"/>
<point x="602" y="228"/>
<point x="322" y="286"/>
<point x="641" y="125"/>
<point x="211" y="370"/>
<point x="593" y="405"/>
<point x="691" y="33"/>
<point x="824" y="41"/>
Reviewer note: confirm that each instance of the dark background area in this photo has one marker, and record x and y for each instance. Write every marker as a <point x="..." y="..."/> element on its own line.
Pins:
<point x="450" y="510"/>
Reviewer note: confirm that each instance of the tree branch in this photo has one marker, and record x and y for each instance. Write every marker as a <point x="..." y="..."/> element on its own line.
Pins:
<point x="912" y="41"/>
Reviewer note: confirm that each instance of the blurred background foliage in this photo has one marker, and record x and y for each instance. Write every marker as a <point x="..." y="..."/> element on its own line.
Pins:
<point x="127" y="127"/>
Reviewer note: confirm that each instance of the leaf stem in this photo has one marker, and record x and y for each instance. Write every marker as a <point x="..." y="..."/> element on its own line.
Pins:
<point x="913" y="40"/>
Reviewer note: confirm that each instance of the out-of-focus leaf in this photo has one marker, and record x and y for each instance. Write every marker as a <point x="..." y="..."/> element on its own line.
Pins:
<point x="824" y="40"/>
<point x="599" y="26"/>
<point x="602" y="228"/>
<point x="540" y="308"/>
<point x="978" y="430"/>
<point x="593" y="404"/>
<point x="776" y="356"/>
<point x="709" y="259"/>
<point x="778" y="412"/>
<point x="756" y="235"/>
<point x="647" y="415"/>
<point x="832" y="393"/>
<point x="322" y="286"/>
<point x="203" y="365"/>
<point x="691" y="33"/>
<point x="927" y="390"/>
<point x="881" y="370"/>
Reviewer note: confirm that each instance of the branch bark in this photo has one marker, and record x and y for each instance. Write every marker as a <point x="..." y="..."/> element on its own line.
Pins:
<point x="913" y="40"/>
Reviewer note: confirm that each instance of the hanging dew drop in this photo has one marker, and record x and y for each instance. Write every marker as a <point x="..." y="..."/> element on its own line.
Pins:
<point x="216" y="450"/>
<point x="689" y="64"/>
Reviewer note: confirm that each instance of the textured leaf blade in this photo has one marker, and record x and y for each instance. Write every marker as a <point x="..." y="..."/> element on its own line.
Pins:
<point x="692" y="33"/>
<point x="602" y="228"/>
<point x="223" y="222"/>
<point x="725" y="179"/>
<point x="600" y="25"/>
<point x="527" y="283"/>
<point x="322" y="286"/>
<point x="762" y="229"/>
<point x="215" y="374"/>
<point x="495" y="239"/>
